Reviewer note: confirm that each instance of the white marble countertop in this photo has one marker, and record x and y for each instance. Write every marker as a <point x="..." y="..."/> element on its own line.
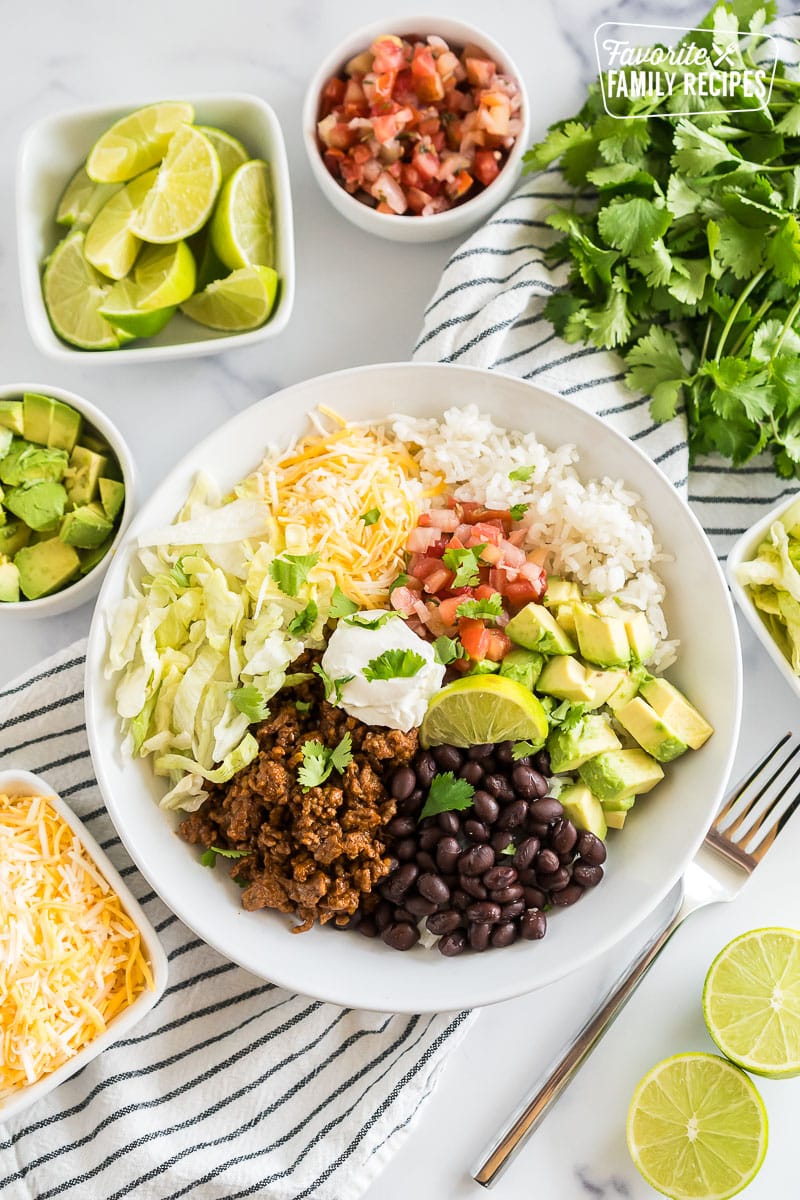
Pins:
<point x="359" y="300"/>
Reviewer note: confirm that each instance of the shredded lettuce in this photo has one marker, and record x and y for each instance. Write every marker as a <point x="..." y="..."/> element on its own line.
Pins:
<point x="774" y="582"/>
<point x="243" y="754"/>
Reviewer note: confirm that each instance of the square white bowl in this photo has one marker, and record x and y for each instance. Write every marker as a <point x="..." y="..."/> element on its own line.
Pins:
<point x="24" y="783"/>
<point x="744" y="550"/>
<point x="50" y="153"/>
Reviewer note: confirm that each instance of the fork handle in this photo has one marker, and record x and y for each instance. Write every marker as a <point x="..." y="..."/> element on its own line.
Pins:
<point x="524" y="1121"/>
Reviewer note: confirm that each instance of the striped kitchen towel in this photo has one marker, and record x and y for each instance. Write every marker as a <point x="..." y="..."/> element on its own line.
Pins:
<point x="230" y="1087"/>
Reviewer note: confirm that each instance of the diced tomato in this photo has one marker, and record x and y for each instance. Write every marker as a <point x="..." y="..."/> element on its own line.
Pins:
<point x="425" y="159"/>
<point x="403" y="600"/>
<point x="485" y="591"/>
<point x="480" y="71"/>
<point x="487" y="531"/>
<point x="429" y="125"/>
<point x="355" y="102"/>
<point x="486" y="167"/>
<point x="421" y="566"/>
<point x="440" y="518"/>
<point x="332" y="159"/>
<point x="498" y="580"/>
<point x="490" y="554"/>
<point x="475" y="637"/>
<point x="438" y="580"/>
<point x="447" y="611"/>
<point x="332" y="94"/>
<point x="420" y="539"/>
<point x="388" y="54"/>
<point x="498" y="646"/>
<point x="494" y="113"/>
<point x="383" y="86"/>
<point x="427" y="80"/>
<point x="385" y="128"/>
<point x="517" y="537"/>
<point x="341" y="136"/>
<point x="460" y="185"/>
<point x="512" y="555"/>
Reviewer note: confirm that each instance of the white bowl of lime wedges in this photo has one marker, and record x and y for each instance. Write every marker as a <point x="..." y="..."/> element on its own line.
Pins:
<point x="147" y="260"/>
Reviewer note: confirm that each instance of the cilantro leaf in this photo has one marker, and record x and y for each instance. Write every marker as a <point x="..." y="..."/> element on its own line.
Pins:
<point x="447" y="794"/>
<point x="783" y="252"/>
<point x="251" y="702"/>
<point x="656" y="368"/>
<point x="478" y="610"/>
<point x="523" y="749"/>
<point x="447" y="650"/>
<point x="400" y="581"/>
<point x="304" y="620"/>
<point x="632" y="225"/>
<point x="364" y="621"/>
<point x="518" y="511"/>
<point x="209" y="857"/>
<point x="333" y="687"/>
<point x="342" y="754"/>
<point x="521" y="474"/>
<point x="341" y="605"/>
<point x="509" y="850"/>
<point x="465" y="563"/>
<point x="290" y="571"/>
<point x="319" y="762"/>
<point x="370" y="517"/>
<point x="394" y="664"/>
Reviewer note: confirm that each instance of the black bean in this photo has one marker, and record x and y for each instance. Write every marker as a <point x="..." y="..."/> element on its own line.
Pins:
<point x="546" y="861"/>
<point x="513" y="815"/>
<point x="448" y="758"/>
<point x="563" y="836"/>
<point x="476" y="831"/>
<point x="534" y="897"/>
<point x="402" y="914"/>
<point x="476" y="860"/>
<point x="473" y="886"/>
<point x="429" y="837"/>
<point x="452" y="943"/>
<point x="403" y="783"/>
<point x="472" y="772"/>
<point x="479" y="934"/>
<point x="401" y="936"/>
<point x="586" y="874"/>
<point x="411" y="807"/>
<point x="447" y="852"/>
<point x="443" y="922"/>
<point x="533" y="925"/>
<point x="404" y="876"/>
<point x="499" y="787"/>
<point x="591" y="849"/>
<point x="507" y="895"/>
<point x="537" y="828"/>
<point x="480" y="751"/>
<point x="434" y="888"/>
<point x="425" y="860"/>
<point x="541" y="760"/>
<point x="500" y="877"/>
<point x="489" y="764"/>
<point x="510" y="912"/>
<point x="460" y="900"/>
<point x="501" y="840"/>
<point x="505" y="752"/>
<point x="504" y="934"/>
<point x="425" y="767"/>
<point x="527" y="876"/>
<point x="546" y="810"/>
<point x="400" y="827"/>
<point x="383" y="914"/>
<point x="485" y="912"/>
<point x="541" y="783"/>
<point x="554" y="881"/>
<point x="406" y="849"/>
<point x="526" y="852"/>
<point x="367" y="927"/>
<point x="568" y="895"/>
<point x="419" y="906"/>
<point x="486" y="807"/>
<point x="449" y="823"/>
<point x="524" y="780"/>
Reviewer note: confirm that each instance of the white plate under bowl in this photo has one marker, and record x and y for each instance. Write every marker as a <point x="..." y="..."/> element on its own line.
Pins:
<point x="644" y="860"/>
<point x="24" y="783"/>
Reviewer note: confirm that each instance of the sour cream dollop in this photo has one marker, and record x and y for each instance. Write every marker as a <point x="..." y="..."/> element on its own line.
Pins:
<point x="398" y="703"/>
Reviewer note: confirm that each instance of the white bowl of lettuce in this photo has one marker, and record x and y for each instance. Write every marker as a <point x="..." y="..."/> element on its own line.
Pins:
<point x="764" y="573"/>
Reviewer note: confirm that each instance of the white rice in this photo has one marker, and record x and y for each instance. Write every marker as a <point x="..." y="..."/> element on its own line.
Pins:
<point x="596" y="533"/>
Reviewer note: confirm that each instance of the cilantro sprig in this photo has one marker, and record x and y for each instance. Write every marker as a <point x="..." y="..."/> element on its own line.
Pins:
<point x="319" y="762"/>
<point x="365" y="621"/>
<point x="209" y="857"/>
<point x="341" y="605"/>
<point x="447" y="794"/>
<point x="250" y="701"/>
<point x="333" y="687"/>
<point x="465" y="563"/>
<point x="290" y="571"/>
<point x="483" y="610"/>
<point x="394" y="664"/>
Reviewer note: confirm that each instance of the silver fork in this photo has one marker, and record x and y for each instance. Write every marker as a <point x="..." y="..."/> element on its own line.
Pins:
<point x="751" y="818"/>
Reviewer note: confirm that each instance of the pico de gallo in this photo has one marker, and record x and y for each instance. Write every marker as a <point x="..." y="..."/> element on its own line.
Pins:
<point x="415" y="127"/>
<point x="466" y="576"/>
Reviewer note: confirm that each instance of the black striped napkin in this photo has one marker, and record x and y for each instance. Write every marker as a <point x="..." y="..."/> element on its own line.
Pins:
<point x="231" y="1087"/>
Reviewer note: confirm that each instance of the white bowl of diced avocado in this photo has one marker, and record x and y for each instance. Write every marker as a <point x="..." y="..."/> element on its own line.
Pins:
<point x="66" y="496"/>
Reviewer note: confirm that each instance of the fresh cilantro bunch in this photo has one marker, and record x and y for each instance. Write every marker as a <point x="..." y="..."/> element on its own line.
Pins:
<point x="684" y="251"/>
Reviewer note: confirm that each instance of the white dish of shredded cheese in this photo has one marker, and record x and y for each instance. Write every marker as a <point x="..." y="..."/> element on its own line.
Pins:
<point x="80" y="964"/>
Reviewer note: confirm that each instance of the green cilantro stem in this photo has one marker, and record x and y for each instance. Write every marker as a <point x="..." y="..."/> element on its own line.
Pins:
<point x="751" y="326"/>
<point x="787" y="325"/>
<point x="732" y="315"/>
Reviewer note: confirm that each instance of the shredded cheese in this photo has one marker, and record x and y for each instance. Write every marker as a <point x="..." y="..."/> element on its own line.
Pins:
<point x="326" y="482"/>
<point x="70" y="956"/>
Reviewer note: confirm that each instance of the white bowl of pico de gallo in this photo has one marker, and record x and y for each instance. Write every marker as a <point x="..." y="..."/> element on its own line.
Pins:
<point x="415" y="127"/>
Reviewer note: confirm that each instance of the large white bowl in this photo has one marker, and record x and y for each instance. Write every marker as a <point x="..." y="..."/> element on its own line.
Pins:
<point x="50" y="153"/>
<point x="644" y="861"/>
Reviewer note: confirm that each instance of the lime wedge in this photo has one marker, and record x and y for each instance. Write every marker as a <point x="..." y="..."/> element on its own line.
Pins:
<point x="165" y="275"/>
<point x="110" y="245"/>
<point x="186" y="186"/>
<point x="136" y="142"/>
<point x="241" y="228"/>
<point x="480" y="709"/>
<point x="122" y="309"/>
<point x="751" y="1001"/>
<point x="230" y="151"/>
<point x="697" y="1128"/>
<point x="242" y="300"/>
<point x="82" y="200"/>
<point x="73" y="293"/>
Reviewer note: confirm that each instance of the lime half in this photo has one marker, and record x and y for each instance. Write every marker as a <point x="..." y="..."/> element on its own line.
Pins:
<point x="481" y="709"/>
<point x="241" y="228"/>
<point x="186" y="186"/>
<point x="697" y="1128"/>
<point x="82" y="200"/>
<point x="242" y="300"/>
<point x="751" y="1001"/>
<point x="73" y="293"/>
<point x="230" y="151"/>
<point x="110" y="245"/>
<point x="165" y="275"/>
<point x="136" y="142"/>
<point x="122" y="309"/>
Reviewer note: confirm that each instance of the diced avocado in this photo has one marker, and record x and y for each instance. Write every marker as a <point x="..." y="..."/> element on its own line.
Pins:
<point x="85" y="469"/>
<point x="567" y="679"/>
<point x="676" y="711"/>
<point x="617" y="776"/>
<point x="112" y="497"/>
<point x="26" y="463"/>
<point x="615" y="818"/>
<point x="93" y="441"/>
<point x="583" y="809"/>
<point x="604" y="683"/>
<point x="6" y="438"/>
<point x="13" y="536"/>
<point x="39" y="505"/>
<point x="90" y="558"/>
<point x="603" y="640"/>
<point x="569" y="748"/>
<point x="46" y="567"/>
<point x="650" y="730"/>
<point x="484" y="666"/>
<point x="9" y="583"/>
<point x="560" y="591"/>
<point x="11" y="416"/>
<point x="565" y="615"/>
<point x="524" y="666"/>
<point x="49" y="422"/>
<point x="640" y="636"/>
<point x="86" y="527"/>
<point x="627" y="688"/>
<point x="537" y="629"/>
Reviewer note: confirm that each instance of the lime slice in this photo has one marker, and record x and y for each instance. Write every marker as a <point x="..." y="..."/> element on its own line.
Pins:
<point x="122" y="309"/>
<point x="165" y="275"/>
<point x="110" y="245"/>
<point x="751" y="1001"/>
<point x="697" y="1128"/>
<point x="242" y="300"/>
<point x="73" y="293"/>
<point x="230" y="151"/>
<point x="186" y="186"/>
<point x="82" y="200"/>
<point x="481" y="709"/>
<point x="241" y="228"/>
<point x="136" y="142"/>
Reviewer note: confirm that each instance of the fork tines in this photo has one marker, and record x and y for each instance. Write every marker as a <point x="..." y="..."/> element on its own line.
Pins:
<point x="757" y="810"/>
